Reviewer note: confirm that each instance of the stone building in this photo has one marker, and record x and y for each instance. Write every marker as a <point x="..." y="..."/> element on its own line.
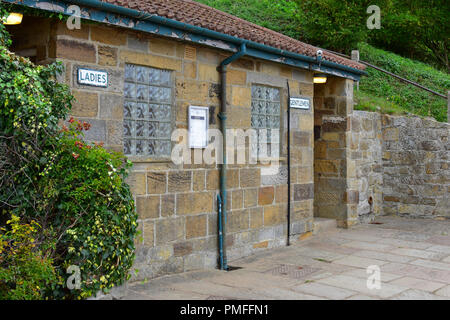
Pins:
<point x="136" y="67"/>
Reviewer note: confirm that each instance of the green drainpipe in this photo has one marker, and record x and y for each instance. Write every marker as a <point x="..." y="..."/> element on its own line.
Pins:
<point x="222" y="68"/>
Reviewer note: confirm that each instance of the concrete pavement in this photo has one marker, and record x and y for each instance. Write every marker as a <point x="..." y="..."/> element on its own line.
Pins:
<point x="413" y="256"/>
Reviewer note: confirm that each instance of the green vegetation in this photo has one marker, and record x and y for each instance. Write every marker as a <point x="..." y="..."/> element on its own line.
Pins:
<point x="413" y="28"/>
<point x="272" y="14"/>
<point x="379" y="90"/>
<point x="63" y="202"/>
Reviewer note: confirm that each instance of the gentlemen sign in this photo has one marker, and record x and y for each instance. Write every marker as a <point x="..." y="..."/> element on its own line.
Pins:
<point x="300" y="103"/>
<point x="93" y="78"/>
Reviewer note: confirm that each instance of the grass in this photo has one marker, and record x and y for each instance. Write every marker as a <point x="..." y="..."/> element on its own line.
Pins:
<point x="380" y="92"/>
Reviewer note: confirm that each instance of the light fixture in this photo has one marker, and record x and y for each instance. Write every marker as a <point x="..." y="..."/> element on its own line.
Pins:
<point x="320" y="78"/>
<point x="13" y="18"/>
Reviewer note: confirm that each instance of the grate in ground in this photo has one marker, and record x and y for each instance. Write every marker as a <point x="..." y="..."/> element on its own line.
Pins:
<point x="293" y="271"/>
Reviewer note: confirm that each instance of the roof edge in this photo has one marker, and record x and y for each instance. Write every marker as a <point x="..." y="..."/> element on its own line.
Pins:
<point x="260" y="50"/>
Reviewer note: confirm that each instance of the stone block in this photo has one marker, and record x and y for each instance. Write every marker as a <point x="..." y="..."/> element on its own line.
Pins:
<point x="260" y="245"/>
<point x="256" y="217"/>
<point x="107" y="56"/>
<point x="195" y="226"/>
<point x="390" y="134"/>
<point x="250" y="197"/>
<point x="181" y="249"/>
<point x="250" y="177"/>
<point x="167" y="205"/>
<point x="212" y="180"/>
<point x="207" y="72"/>
<point x="303" y="191"/>
<point x="97" y="131"/>
<point x="237" y="199"/>
<point x="238" y="220"/>
<point x="111" y="36"/>
<point x="190" y="70"/>
<point x="114" y="130"/>
<point x="137" y="44"/>
<point x="111" y="106"/>
<point x="179" y="181"/>
<point x="163" y="47"/>
<point x="156" y="182"/>
<point x="192" y="203"/>
<point x="148" y="207"/>
<point x="85" y="104"/>
<point x="241" y="97"/>
<point x="169" y="230"/>
<point x="274" y="214"/>
<point x="266" y="196"/>
<point x="137" y="183"/>
<point x="75" y="50"/>
<point x="198" y="180"/>
<point x="236" y="77"/>
<point x="150" y="60"/>
<point x="148" y="233"/>
<point x="192" y="91"/>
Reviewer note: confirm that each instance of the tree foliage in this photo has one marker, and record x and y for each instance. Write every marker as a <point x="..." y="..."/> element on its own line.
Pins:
<point x="75" y="191"/>
<point x="416" y="29"/>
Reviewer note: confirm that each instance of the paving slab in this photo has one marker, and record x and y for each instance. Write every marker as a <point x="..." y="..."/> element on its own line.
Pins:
<point x="359" y="262"/>
<point x="445" y="292"/>
<point x="360" y="285"/>
<point x="323" y="290"/>
<point x="383" y="256"/>
<point x="413" y="294"/>
<point x="413" y="256"/>
<point x="431" y="264"/>
<point x="362" y="273"/>
<point x="420" y="284"/>
<point x="418" y="253"/>
<point x="368" y="246"/>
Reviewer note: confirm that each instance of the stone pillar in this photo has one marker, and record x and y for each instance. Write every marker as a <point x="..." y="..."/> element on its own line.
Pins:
<point x="336" y="194"/>
<point x="448" y="106"/>
<point x="355" y="57"/>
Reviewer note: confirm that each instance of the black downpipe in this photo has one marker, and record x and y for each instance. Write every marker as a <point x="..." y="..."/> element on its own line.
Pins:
<point x="288" y="166"/>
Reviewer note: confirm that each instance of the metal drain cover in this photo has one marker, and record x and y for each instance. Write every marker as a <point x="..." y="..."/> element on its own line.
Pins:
<point x="292" y="271"/>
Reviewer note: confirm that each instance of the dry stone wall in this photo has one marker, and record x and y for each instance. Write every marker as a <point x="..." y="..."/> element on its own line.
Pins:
<point x="402" y="165"/>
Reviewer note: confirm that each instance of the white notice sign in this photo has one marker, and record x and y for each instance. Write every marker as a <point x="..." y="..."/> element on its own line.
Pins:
<point x="300" y="103"/>
<point x="93" y="77"/>
<point x="198" y="127"/>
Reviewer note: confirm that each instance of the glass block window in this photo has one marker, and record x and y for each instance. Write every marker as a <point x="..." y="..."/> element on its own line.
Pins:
<point x="266" y="104"/>
<point x="147" y="111"/>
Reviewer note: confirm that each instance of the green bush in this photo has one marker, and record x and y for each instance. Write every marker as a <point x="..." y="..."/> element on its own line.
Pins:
<point x="25" y="271"/>
<point x="91" y="209"/>
<point x="75" y="191"/>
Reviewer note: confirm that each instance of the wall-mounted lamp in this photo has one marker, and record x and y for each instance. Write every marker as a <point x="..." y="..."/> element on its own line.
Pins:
<point x="13" y="18"/>
<point x="320" y="78"/>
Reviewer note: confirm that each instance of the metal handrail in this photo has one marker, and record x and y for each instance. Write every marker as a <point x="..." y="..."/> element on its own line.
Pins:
<point x="392" y="75"/>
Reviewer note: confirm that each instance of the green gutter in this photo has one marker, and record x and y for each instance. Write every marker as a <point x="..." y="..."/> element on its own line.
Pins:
<point x="103" y="6"/>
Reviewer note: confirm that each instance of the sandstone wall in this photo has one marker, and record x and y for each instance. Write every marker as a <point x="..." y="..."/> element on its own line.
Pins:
<point x="402" y="165"/>
<point x="416" y="159"/>
<point x="177" y="204"/>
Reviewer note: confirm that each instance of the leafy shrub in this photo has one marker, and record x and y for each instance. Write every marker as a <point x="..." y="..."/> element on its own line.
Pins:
<point x="91" y="209"/>
<point x="24" y="271"/>
<point x="75" y="191"/>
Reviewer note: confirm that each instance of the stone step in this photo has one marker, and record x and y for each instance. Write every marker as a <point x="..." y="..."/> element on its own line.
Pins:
<point x="323" y="225"/>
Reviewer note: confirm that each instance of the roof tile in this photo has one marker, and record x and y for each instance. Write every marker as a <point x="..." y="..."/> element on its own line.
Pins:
<point x="201" y="15"/>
